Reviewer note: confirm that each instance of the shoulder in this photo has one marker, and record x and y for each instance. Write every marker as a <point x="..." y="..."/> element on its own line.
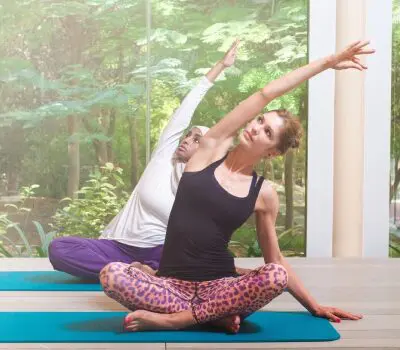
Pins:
<point x="209" y="151"/>
<point x="268" y="199"/>
<point x="211" y="143"/>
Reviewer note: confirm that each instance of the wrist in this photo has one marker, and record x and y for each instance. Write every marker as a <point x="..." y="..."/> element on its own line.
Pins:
<point x="329" y="61"/>
<point x="314" y="308"/>
<point x="222" y="64"/>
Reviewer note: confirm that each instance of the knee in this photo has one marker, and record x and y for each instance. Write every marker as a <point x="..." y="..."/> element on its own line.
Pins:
<point x="53" y="246"/>
<point x="56" y="249"/>
<point x="278" y="275"/>
<point x="108" y="272"/>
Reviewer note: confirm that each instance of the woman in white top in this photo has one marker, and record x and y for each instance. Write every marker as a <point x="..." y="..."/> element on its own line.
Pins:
<point x="137" y="233"/>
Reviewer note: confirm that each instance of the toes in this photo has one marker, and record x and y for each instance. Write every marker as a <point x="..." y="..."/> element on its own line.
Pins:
<point x="128" y="318"/>
<point x="134" y="325"/>
<point x="236" y="320"/>
<point x="131" y="322"/>
<point x="234" y="328"/>
<point x="134" y="328"/>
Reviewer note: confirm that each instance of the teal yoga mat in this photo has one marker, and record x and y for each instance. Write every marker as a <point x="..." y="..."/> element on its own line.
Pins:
<point x="44" y="281"/>
<point x="106" y="327"/>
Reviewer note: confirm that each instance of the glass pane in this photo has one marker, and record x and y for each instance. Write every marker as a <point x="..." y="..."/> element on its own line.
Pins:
<point x="73" y="86"/>
<point x="72" y="100"/>
<point x="192" y="36"/>
<point x="394" y="248"/>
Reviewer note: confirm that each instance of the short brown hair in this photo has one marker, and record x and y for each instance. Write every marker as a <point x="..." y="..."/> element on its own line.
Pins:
<point x="291" y="133"/>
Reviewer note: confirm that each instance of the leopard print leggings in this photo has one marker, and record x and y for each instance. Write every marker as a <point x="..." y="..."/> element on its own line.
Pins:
<point x="208" y="300"/>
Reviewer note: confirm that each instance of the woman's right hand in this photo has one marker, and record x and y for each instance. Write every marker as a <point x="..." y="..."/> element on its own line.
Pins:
<point x="347" y="59"/>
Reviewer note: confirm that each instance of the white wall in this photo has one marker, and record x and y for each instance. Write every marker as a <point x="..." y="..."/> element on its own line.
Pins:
<point x="377" y="105"/>
<point x="322" y="42"/>
<point x="372" y="203"/>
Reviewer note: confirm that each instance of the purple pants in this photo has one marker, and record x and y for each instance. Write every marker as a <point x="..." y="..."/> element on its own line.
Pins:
<point x="84" y="257"/>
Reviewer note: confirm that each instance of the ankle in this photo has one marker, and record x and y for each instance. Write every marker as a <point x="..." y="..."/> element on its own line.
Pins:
<point x="181" y="320"/>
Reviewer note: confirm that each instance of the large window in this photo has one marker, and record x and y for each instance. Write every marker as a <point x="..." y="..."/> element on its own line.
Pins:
<point x="86" y="88"/>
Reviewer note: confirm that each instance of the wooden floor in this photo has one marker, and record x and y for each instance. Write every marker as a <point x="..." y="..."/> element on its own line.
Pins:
<point x="370" y="287"/>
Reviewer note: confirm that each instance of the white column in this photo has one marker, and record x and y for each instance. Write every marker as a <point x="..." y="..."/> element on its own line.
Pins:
<point x="349" y="138"/>
<point x="377" y="118"/>
<point x="322" y="42"/>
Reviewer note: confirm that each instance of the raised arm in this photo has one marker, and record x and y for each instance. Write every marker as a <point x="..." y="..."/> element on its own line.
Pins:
<point x="181" y="118"/>
<point x="227" y="61"/>
<point x="253" y="105"/>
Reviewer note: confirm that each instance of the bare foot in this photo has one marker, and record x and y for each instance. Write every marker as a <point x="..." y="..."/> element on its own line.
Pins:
<point x="145" y="268"/>
<point x="229" y="323"/>
<point x="136" y="264"/>
<point x="142" y="320"/>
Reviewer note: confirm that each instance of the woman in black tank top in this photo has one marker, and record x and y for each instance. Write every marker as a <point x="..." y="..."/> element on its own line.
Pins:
<point x="196" y="281"/>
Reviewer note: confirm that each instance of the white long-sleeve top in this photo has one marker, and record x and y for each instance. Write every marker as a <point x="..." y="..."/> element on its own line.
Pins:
<point x="143" y="220"/>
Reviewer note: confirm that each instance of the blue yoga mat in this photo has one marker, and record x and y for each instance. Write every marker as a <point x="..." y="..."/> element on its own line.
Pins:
<point x="44" y="281"/>
<point x="106" y="327"/>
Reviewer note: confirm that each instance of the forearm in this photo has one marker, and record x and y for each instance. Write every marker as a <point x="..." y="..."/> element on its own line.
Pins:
<point x="297" y="289"/>
<point x="215" y="71"/>
<point x="253" y="105"/>
<point x="272" y="254"/>
<point x="181" y="118"/>
<point x="295" y="78"/>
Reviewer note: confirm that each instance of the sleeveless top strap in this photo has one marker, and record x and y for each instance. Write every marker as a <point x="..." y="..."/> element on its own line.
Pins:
<point x="213" y="165"/>
<point x="258" y="186"/>
<point x="253" y="181"/>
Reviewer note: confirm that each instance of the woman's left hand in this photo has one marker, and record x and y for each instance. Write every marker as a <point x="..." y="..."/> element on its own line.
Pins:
<point x="334" y="314"/>
<point x="348" y="58"/>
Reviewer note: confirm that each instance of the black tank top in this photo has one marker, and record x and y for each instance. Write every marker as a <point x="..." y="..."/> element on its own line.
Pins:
<point x="202" y="221"/>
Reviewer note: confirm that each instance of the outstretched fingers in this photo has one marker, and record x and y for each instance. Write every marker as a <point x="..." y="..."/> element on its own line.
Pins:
<point x="362" y="44"/>
<point x="332" y="317"/>
<point x="353" y="45"/>
<point x="358" y="63"/>
<point x="347" y="315"/>
<point x="356" y="66"/>
<point x="360" y="49"/>
<point x="234" y="45"/>
<point x="365" y="52"/>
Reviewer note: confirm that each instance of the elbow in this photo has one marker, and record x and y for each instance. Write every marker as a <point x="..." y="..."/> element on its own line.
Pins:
<point x="281" y="258"/>
<point x="279" y="263"/>
<point x="267" y="94"/>
<point x="274" y="259"/>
